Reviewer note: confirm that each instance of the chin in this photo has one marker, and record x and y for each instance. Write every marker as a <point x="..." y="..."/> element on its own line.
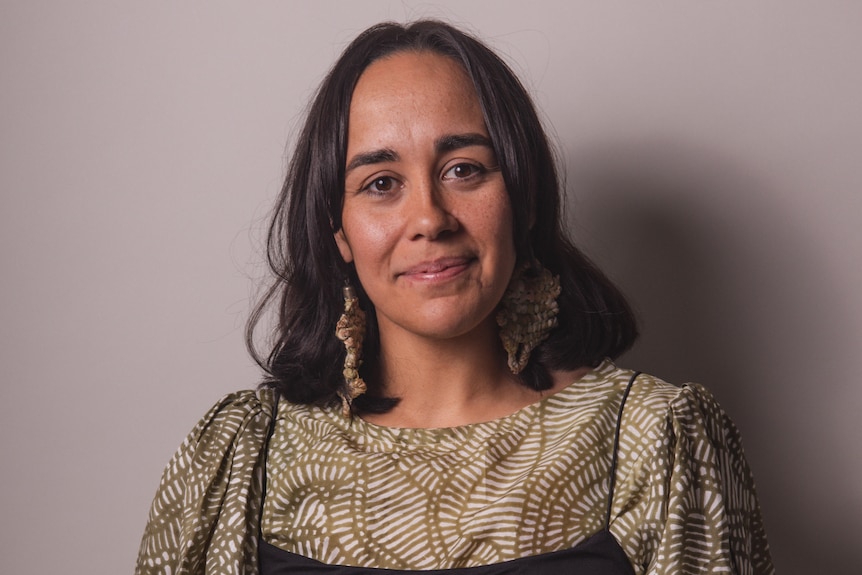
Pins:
<point x="451" y="326"/>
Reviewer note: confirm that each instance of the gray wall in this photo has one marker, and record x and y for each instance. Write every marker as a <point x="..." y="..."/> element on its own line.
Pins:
<point x="713" y="163"/>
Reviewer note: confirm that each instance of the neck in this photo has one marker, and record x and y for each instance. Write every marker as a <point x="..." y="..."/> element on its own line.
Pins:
<point x="447" y="382"/>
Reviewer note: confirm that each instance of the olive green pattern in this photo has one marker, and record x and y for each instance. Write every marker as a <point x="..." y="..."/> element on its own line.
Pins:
<point x="205" y="516"/>
<point x="349" y="492"/>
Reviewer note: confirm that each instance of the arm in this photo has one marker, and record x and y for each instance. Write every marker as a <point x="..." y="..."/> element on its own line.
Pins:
<point x="702" y="495"/>
<point x="686" y="501"/>
<point x="204" y="517"/>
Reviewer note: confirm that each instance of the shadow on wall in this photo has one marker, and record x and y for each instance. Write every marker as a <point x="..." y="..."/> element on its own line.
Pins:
<point x="730" y="293"/>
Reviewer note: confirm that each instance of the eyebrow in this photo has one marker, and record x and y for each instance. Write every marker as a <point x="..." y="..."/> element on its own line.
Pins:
<point x="373" y="157"/>
<point x="443" y="144"/>
<point x="451" y="142"/>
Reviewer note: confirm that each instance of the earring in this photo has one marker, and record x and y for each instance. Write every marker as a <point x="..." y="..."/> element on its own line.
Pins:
<point x="351" y="330"/>
<point x="528" y="312"/>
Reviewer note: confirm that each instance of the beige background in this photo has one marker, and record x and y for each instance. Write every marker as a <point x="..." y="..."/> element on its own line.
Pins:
<point x="713" y="154"/>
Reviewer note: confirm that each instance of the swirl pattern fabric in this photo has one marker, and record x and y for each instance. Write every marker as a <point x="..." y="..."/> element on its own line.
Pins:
<point x="351" y="493"/>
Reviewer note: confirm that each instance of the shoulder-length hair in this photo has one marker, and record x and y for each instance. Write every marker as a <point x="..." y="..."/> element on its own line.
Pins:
<point x="306" y="359"/>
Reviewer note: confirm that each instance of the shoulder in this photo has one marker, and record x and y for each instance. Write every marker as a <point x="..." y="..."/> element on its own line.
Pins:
<point x="233" y="417"/>
<point x="238" y="408"/>
<point x="218" y="462"/>
<point x="659" y="416"/>
<point x="653" y="401"/>
<point x="686" y="493"/>
<point x="680" y="434"/>
<point x="233" y="430"/>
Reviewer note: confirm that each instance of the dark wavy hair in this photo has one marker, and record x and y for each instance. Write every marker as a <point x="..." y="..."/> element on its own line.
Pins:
<point x="306" y="359"/>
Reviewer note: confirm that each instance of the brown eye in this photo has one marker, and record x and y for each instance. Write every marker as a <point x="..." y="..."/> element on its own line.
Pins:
<point x="461" y="172"/>
<point x="381" y="185"/>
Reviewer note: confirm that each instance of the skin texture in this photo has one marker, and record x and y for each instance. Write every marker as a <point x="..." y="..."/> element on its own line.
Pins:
<point x="427" y="223"/>
<point x="429" y="229"/>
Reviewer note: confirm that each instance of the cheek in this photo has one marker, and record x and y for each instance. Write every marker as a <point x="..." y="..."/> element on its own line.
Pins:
<point x="504" y="226"/>
<point x="370" y="242"/>
<point x="499" y="226"/>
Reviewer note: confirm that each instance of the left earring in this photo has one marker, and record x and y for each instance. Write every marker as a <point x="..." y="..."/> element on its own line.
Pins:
<point x="351" y="330"/>
<point x="527" y="312"/>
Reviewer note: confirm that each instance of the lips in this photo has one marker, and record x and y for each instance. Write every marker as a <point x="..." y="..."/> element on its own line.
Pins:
<point x="439" y="266"/>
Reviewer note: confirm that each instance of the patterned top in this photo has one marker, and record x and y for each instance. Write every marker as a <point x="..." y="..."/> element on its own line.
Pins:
<point x="353" y="493"/>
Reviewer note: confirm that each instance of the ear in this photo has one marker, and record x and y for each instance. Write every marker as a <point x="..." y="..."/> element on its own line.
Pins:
<point x="343" y="246"/>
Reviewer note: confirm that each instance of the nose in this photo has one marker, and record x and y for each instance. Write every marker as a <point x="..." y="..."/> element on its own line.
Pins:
<point x="429" y="214"/>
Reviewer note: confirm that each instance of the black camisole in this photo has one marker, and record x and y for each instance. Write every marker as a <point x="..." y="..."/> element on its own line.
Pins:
<point x="599" y="554"/>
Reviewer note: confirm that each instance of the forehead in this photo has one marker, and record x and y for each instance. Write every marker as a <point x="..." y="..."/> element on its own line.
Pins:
<point x="412" y="64"/>
<point x="417" y="84"/>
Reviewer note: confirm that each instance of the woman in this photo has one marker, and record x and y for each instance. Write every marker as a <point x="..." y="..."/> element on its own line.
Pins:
<point x="447" y="401"/>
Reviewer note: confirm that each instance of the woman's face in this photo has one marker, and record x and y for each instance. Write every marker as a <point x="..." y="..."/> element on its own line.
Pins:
<point x="426" y="220"/>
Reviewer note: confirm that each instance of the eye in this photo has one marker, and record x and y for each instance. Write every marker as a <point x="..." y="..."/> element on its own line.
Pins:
<point x="462" y="171"/>
<point x="380" y="185"/>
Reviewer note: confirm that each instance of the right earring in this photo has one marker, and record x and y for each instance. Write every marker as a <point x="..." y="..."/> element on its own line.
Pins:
<point x="351" y="330"/>
<point x="528" y="312"/>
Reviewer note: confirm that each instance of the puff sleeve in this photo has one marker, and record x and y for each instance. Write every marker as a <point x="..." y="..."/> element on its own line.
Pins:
<point x="204" y="518"/>
<point x="690" y="504"/>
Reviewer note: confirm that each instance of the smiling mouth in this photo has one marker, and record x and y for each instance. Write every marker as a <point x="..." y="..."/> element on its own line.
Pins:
<point x="439" y="268"/>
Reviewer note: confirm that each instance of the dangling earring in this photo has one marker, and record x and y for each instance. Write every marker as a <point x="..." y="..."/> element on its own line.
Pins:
<point x="351" y="330"/>
<point x="528" y="312"/>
